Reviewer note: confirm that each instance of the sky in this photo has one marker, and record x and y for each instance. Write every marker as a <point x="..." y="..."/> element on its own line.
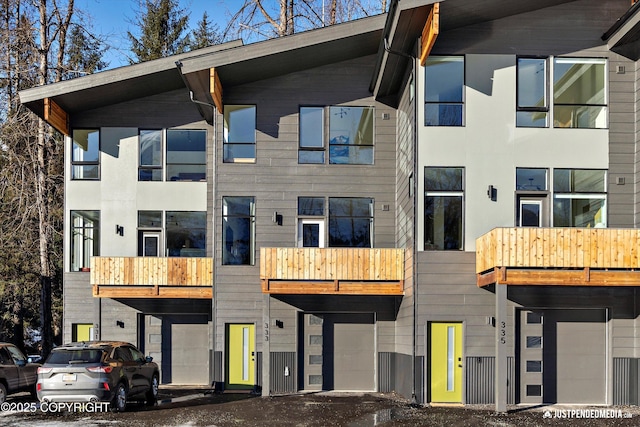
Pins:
<point x="111" y="19"/>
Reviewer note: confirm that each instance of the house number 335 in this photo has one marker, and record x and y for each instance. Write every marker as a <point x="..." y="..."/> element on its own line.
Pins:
<point x="503" y="332"/>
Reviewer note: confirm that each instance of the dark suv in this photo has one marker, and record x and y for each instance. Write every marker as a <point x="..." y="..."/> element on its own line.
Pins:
<point x="16" y="374"/>
<point x="92" y="371"/>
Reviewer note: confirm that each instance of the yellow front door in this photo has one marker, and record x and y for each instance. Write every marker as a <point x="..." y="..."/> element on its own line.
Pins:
<point x="241" y="356"/>
<point x="82" y="331"/>
<point x="446" y="362"/>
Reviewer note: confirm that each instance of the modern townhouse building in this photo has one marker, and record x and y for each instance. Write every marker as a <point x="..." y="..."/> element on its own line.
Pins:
<point x="440" y="201"/>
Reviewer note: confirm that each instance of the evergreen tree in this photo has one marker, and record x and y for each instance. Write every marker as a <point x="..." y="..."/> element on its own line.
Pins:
<point x="162" y="26"/>
<point x="206" y="34"/>
<point x="84" y="54"/>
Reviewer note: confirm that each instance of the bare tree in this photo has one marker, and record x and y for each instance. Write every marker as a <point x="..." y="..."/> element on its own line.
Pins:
<point x="264" y="19"/>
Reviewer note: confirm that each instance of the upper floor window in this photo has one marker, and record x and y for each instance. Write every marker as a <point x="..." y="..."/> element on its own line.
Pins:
<point x="185" y="158"/>
<point x="532" y="101"/>
<point x="443" y="213"/>
<point x="239" y="137"/>
<point x="350" y="131"/>
<point x="579" y="96"/>
<point x="85" y="238"/>
<point x="85" y="154"/>
<point x="238" y="230"/>
<point x="578" y="93"/>
<point x="579" y="198"/>
<point x="444" y="91"/>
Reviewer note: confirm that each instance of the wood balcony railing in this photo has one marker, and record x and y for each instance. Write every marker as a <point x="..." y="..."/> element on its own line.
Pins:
<point x="152" y="277"/>
<point x="336" y="271"/>
<point x="559" y="256"/>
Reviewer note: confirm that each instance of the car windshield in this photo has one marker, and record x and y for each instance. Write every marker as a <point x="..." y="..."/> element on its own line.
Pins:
<point x="69" y="356"/>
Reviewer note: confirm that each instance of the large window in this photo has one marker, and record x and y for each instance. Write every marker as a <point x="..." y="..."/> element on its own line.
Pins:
<point x="186" y="233"/>
<point x="185" y="158"/>
<point x="350" y="222"/>
<point x="85" y="238"/>
<point x="350" y="131"/>
<point x="579" y="198"/>
<point x="578" y="93"/>
<point x="238" y="224"/>
<point x="444" y="91"/>
<point x="532" y="99"/>
<point x="239" y="134"/>
<point x="443" y="213"/>
<point x="85" y="154"/>
<point x="579" y="96"/>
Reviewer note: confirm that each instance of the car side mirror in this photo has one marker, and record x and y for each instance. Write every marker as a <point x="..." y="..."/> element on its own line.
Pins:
<point x="148" y="359"/>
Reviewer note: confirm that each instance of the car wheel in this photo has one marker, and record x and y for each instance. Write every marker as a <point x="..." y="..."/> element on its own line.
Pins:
<point x="3" y="393"/>
<point x="119" y="402"/>
<point x="152" y="394"/>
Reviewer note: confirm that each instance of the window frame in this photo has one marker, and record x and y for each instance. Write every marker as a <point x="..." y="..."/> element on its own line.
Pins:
<point x="75" y="163"/>
<point x="571" y="195"/>
<point x="164" y="163"/>
<point x="151" y="167"/>
<point x="79" y="260"/>
<point x="520" y="108"/>
<point x="579" y="105"/>
<point x="330" y="149"/>
<point x="431" y="193"/>
<point x="227" y="130"/>
<point x="251" y="217"/>
<point x="461" y="102"/>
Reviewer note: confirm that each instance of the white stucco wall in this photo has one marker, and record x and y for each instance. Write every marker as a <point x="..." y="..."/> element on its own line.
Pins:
<point x="119" y="196"/>
<point x="490" y="147"/>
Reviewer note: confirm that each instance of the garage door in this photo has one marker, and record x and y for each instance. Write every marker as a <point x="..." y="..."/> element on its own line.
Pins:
<point x="563" y="356"/>
<point x="185" y="350"/>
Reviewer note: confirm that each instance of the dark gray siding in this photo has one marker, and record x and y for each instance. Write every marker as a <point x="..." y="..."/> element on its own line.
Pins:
<point x="405" y="223"/>
<point x="276" y="179"/>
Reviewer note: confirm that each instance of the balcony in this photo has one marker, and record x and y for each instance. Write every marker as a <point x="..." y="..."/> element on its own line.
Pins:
<point x="332" y="271"/>
<point x="152" y="277"/>
<point x="559" y="256"/>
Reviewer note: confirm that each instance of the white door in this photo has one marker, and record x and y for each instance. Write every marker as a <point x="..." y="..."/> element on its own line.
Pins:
<point x="151" y="243"/>
<point x="311" y="233"/>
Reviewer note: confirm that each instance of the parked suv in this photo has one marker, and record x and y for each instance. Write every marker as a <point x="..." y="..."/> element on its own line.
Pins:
<point x="91" y="371"/>
<point x="16" y="374"/>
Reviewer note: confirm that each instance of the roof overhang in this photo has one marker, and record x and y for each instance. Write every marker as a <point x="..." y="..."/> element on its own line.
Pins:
<point x="624" y="36"/>
<point x="405" y="23"/>
<point x="281" y="56"/>
<point x="111" y="86"/>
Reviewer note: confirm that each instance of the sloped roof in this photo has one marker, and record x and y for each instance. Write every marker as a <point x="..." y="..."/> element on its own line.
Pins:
<point x="624" y="36"/>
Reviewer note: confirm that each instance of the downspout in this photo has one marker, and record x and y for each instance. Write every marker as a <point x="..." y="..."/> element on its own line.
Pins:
<point x="387" y="48"/>
<point x="213" y="204"/>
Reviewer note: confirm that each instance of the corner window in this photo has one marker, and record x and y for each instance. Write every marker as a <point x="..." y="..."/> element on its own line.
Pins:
<point x="579" y="198"/>
<point x="350" y="131"/>
<point x="579" y="96"/>
<point x="239" y="137"/>
<point x="85" y="238"/>
<point x="85" y="154"/>
<point x="186" y="233"/>
<point x="444" y="91"/>
<point x="185" y="158"/>
<point x="238" y="224"/>
<point x="350" y="222"/>
<point x="443" y="211"/>
<point x="532" y="100"/>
